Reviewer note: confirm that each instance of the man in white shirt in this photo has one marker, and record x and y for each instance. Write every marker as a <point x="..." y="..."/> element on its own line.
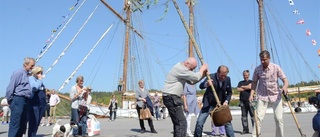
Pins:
<point x="6" y="111"/>
<point x="53" y="102"/>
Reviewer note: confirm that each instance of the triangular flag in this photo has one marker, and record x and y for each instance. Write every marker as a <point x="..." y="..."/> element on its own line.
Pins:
<point x="291" y="2"/>
<point x="319" y="66"/>
<point x="300" y="21"/>
<point x="296" y="12"/>
<point x="318" y="52"/>
<point x="308" y="32"/>
<point x="314" y="42"/>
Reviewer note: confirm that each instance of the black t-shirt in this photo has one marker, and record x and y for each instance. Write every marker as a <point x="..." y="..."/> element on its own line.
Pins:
<point x="244" y="95"/>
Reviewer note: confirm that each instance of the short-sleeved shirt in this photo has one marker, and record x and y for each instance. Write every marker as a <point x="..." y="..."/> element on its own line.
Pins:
<point x="268" y="88"/>
<point x="244" y="95"/>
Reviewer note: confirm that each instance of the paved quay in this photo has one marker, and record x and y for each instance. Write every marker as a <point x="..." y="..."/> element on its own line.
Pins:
<point x="129" y="127"/>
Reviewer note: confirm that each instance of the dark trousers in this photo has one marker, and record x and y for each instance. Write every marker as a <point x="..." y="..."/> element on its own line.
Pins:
<point x="113" y="114"/>
<point x="75" y="119"/>
<point x="177" y="116"/>
<point x="245" y="108"/>
<point x="141" y="121"/>
<point x="19" y="116"/>
<point x="119" y="87"/>
<point x="35" y="114"/>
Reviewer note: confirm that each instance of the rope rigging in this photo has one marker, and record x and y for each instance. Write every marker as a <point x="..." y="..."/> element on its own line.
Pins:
<point x="65" y="25"/>
<point x="72" y="40"/>
<point x="84" y="59"/>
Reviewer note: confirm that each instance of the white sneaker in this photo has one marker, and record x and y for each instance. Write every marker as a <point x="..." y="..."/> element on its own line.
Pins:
<point x="42" y="124"/>
<point x="48" y="125"/>
<point x="204" y="134"/>
<point x="189" y="134"/>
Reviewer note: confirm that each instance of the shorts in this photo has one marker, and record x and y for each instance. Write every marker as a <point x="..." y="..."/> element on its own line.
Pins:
<point x="6" y="112"/>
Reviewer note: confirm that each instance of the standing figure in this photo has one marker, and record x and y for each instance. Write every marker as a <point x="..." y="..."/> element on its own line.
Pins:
<point x="37" y="104"/>
<point x="53" y="102"/>
<point x="83" y="112"/>
<point x="120" y="84"/>
<point x="180" y="74"/>
<point x="76" y="95"/>
<point x="143" y="98"/>
<point x="6" y="111"/>
<point x="244" y="87"/>
<point x="113" y="106"/>
<point x="222" y="85"/>
<point x="190" y="100"/>
<point x="18" y="94"/>
<point x="157" y="105"/>
<point x="46" y="114"/>
<point x="268" y="92"/>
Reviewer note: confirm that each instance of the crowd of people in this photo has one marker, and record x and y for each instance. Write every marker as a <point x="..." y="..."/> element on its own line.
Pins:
<point x="28" y="103"/>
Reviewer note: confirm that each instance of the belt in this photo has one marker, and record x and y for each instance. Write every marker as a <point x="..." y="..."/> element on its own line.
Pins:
<point x="168" y="95"/>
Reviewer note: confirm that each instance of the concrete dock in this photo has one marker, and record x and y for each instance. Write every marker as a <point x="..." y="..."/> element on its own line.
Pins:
<point x="129" y="127"/>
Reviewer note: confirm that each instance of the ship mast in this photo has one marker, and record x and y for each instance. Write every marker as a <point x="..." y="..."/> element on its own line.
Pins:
<point x="261" y="21"/>
<point x="126" y="21"/>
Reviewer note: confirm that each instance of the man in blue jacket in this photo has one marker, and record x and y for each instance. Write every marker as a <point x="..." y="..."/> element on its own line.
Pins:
<point x="222" y="85"/>
<point x="18" y="94"/>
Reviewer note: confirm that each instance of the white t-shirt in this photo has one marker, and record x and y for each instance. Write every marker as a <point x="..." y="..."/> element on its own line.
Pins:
<point x="4" y="103"/>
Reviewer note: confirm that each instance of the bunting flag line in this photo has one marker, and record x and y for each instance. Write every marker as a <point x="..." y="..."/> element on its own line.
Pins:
<point x="53" y="33"/>
<point x="301" y="21"/>
<point x="64" y="26"/>
<point x="314" y="42"/>
<point x="72" y="40"/>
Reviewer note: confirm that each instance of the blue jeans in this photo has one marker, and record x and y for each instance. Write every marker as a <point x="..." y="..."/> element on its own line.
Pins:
<point x="203" y="115"/>
<point x="156" y="108"/>
<point x="75" y="119"/>
<point x="19" y="116"/>
<point x="83" y="124"/>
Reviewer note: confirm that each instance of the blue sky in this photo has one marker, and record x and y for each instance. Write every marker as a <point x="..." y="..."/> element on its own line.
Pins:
<point x="227" y="33"/>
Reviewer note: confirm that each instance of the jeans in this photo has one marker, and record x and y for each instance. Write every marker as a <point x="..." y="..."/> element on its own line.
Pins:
<point x="204" y="113"/>
<point x="75" y="119"/>
<point x="83" y="124"/>
<point x="19" y="116"/>
<point x="156" y="108"/>
<point x="177" y="116"/>
<point x="245" y="108"/>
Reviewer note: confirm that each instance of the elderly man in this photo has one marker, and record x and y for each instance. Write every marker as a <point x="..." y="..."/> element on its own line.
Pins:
<point x="222" y="84"/>
<point x="181" y="73"/>
<point x="18" y="94"/>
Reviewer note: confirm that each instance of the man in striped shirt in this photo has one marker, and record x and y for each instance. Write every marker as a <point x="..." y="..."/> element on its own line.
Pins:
<point x="265" y="81"/>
